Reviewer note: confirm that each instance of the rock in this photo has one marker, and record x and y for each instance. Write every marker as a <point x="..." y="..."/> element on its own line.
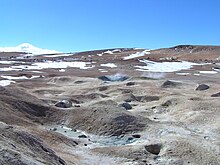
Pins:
<point x="202" y="87"/>
<point x="79" y="82"/>
<point x="64" y="104"/>
<point x="125" y="91"/>
<point x="216" y="95"/>
<point x="195" y="99"/>
<point x="104" y="78"/>
<point x="217" y="67"/>
<point x="103" y="88"/>
<point x="74" y="130"/>
<point x="130" y="83"/>
<point x="169" y="84"/>
<point x="127" y="106"/>
<point x="153" y="148"/>
<point x="136" y="136"/>
<point x="82" y="136"/>
<point x="166" y="104"/>
<point x="130" y="139"/>
<point x="54" y="129"/>
<point x="169" y="103"/>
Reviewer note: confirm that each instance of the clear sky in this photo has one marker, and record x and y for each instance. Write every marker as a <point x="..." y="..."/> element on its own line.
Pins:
<point x="77" y="25"/>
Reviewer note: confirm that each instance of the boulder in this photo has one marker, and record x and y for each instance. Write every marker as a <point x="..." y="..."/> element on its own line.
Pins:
<point x="82" y="136"/>
<point x="130" y="83"/>
<point x="170" y="102"/>
<point x="64" y="104"/>
<point x="202" y="87"/>
<point x="216" y="95"/>
<point x="136" y="136"/>
<point x="169" y="84"/>
<point x="103" y="88"/>
<point x="127" y="106"/>
<point x="153" y="148"/>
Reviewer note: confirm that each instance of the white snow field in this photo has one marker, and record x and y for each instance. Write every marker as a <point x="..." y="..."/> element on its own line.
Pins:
<point x="110" y="65"/>
<point x="165" y="66"/>
<point x="49" y="64"/>
<point x="138" y="54"/>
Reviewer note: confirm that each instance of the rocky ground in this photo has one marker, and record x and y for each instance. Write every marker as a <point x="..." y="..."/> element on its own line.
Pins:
<point x="106" y="107"/>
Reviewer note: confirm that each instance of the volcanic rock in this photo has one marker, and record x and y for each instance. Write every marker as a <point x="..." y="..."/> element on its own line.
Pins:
<point x="82" y="136"/>
<point x="169" y="84"/>
<point x="130" y="83"/>
<point x="136" y="136"/>
<point x="153" y="148"/>
<point x="216" y="95"/>
<point x="127" y="106"/>
<point x="202" y="87"/>
<point x="64" y="104"/>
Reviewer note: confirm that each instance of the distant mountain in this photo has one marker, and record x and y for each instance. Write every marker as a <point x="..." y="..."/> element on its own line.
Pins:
<point x="27" y="48"/>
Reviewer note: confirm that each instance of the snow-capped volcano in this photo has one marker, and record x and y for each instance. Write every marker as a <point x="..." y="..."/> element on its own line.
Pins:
<point x="27" y="48"/>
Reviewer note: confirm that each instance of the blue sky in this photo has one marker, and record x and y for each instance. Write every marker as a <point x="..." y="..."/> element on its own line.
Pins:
<point x="77" y="25"/>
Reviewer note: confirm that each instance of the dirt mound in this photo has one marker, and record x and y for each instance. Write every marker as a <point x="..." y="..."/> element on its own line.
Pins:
<point x="146" y="98"/>
<point x="19" y="147"/>
<point x="170" y="84"/>
<point x="87" y="97"/>
<point x="106" y="118"/>
<point x="18" y="107"/>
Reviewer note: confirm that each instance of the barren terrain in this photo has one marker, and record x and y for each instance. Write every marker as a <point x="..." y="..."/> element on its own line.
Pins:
<point x="113" y="106"/>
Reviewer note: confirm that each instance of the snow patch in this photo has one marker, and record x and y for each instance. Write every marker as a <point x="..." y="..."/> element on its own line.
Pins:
<point x="19" y="77"/>
<point x="6" y="82"/>
<point x="59" y="55"/>
<point x="108" y="52"/>
<point x="165" y="66"/>
<point x="62" y="70"/>
<point x="7" y="62"/>
<point x="183" y="74"/>
<point x="54" y="65"/>
<point x="138" y="54"/>
<point x="9" y="69"/>
<point x="110" y="65"/>
<point x="154" y="75"/>
<point x="100" y="55"/>
<point x="103" y="70"/>
<point x="116" y="50"/>
<point x="208" y="72"/>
